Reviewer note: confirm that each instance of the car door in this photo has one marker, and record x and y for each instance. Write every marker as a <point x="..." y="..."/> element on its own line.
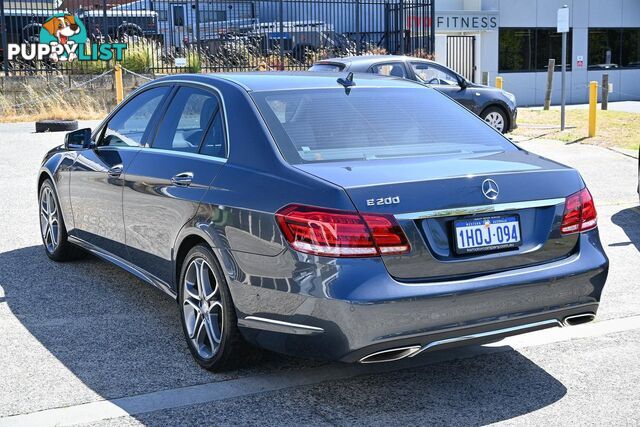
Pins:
<point x="96" y="182"/>
<point x="446" y="81"/>
<point x="167" y="180"/>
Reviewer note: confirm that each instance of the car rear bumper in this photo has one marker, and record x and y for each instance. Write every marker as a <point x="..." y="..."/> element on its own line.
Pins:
<point x="381" y="313"/>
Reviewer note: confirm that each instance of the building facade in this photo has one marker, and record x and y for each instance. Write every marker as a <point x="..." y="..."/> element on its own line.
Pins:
<point x="515" y="39"/>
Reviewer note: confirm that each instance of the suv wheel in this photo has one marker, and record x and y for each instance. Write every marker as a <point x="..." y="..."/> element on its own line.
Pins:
<point x="207" y="313"/>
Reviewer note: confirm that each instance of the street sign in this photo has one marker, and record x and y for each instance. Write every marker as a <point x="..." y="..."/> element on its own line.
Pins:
<point x="563" y="20"/>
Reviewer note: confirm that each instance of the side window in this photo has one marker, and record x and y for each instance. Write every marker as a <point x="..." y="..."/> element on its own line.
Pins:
<point x="395" y="69"/>
<point x="434" y="75"/>
<point x="128" y="126"/>
<point x="213" y="144"/>
<point x="186" y="120"/>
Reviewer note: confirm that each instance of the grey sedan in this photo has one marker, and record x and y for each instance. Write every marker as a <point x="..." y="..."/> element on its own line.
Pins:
<point x="288" y="211"/>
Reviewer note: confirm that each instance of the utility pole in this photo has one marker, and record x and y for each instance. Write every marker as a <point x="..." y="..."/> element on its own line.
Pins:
<point x="563" y="27"/>
<point x="547" y="95"/>
<point x="605" y="91"/>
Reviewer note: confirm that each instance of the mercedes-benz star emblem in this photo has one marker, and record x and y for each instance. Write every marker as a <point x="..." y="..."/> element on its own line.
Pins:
<point x="490" y="189"/>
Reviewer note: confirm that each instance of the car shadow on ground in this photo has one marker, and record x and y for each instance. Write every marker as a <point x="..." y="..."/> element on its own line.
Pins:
<point x="629" y="220"/>
<point x="120" y="337"/>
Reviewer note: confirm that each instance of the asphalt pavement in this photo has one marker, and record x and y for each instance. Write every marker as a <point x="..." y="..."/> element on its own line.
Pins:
<point x="87" y="343"/>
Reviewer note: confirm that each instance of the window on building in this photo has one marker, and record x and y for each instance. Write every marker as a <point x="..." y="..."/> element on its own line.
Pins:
<point x="515" y="49"/>
<point x="614" y="48"/>
<point x="604" y="47"/>
<point x="549" y="46"/>
<point x="529" y="49"/>
<point x="630" y="48"/>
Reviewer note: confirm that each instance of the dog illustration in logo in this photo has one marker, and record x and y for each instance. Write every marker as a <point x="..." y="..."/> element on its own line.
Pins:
<point x="62" y="28"/>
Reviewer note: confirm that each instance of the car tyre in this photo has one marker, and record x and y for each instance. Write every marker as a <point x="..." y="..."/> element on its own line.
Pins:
<point x="207" y="314"/>
<point x="52" y="227"/>
<point x="496" y="118"/>
<point x="56" y="125"/>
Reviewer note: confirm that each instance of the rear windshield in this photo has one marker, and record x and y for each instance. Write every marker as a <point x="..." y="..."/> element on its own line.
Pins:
<point x="324" y="125"/>
<point x="329" y="68"/>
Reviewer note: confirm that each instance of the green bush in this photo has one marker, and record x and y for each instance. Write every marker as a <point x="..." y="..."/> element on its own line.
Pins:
<point x="141" y="55"/>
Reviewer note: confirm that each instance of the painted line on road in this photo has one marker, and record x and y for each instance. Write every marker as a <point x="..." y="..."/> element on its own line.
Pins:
<point x="223" y="390"/>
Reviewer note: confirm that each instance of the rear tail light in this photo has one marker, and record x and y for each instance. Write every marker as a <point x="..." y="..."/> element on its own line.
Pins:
<point x="338" y="233"/>
<point x="579" y="213"/>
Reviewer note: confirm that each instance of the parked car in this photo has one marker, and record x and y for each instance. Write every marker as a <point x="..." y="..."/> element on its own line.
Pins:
<point x="343" y="219"/>
<point x="497" y="107"/>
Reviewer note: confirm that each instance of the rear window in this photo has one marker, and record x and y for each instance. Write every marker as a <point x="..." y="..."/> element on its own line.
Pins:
<point x="329" y="68"/>
<point x="324" y="125"/>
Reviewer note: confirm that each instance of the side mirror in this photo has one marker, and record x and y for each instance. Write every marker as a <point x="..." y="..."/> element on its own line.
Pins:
<point x="78" y="139"/>
<point x="462" y="83"/>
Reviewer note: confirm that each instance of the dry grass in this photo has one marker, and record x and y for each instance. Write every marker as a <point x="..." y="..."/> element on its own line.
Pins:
<point x="52" y="104"/>
<point x="613" y="128"/>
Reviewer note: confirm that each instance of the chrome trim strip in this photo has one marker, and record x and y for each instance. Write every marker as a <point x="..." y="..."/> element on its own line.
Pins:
<point x="550" y="323"/>
<point x="472" y="210"/>
<point x="279" y="326"/>
<point x="404" y="352"/>
<point x="187" y="154"/>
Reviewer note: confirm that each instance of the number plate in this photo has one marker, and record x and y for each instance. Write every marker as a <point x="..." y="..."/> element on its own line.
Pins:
<point x="487" y="234"/>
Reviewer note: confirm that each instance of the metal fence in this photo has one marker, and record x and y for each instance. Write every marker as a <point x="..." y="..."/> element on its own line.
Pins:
<point x="169" y="36"/>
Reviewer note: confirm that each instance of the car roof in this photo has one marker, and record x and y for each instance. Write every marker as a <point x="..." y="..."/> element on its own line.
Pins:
<point x="370" y="59"/>
<point x="281" y="80"/>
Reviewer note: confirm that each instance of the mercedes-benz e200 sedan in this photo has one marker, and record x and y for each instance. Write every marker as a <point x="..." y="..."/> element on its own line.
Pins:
<point x="343" y="218"/>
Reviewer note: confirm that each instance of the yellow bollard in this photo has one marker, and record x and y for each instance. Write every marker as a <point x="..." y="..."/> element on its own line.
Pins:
<point x="499" y="82"/>
<point x="119" y="86"/>
<point x="593" y="100"/>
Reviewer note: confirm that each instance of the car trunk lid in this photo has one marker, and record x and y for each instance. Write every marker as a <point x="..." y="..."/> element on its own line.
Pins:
<point x="428" y="195"/>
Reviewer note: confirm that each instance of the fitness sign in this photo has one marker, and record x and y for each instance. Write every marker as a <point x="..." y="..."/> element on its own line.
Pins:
<point x="63" y="38"/>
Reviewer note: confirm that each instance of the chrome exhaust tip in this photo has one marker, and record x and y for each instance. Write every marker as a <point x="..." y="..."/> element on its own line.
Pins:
<point x="578" y="319"/>
<point x="390" y="355"/>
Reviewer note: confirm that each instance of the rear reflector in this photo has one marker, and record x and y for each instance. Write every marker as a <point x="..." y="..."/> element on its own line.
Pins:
<point x="579" y="213"/>
<point x="338" y="233"/>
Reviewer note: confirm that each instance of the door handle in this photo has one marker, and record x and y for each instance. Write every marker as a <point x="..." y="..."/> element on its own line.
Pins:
<point x="183" y="179"/>
<point x="115" y="171"/>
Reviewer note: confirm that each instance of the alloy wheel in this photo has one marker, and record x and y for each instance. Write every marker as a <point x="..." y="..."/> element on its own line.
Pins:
<point x="496" y="120"/>
<point x="202" y="308"/>
<point x="49" y="219"/>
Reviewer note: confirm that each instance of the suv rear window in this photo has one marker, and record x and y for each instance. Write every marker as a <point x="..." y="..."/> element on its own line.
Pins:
<point x="324" y="125"/>
<point x="329" y="68"/>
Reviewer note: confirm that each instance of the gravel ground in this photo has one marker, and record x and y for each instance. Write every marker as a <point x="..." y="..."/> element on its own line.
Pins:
<point x="87" y="332"/>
